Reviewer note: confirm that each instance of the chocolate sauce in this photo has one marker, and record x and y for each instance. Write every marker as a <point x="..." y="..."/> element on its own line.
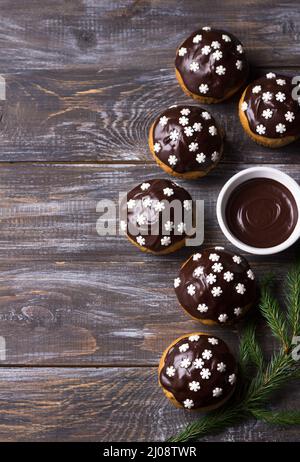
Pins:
<point x="261" y="212"/>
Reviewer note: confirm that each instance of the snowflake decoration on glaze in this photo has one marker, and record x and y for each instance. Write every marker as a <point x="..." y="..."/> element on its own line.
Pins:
<point x="140" y="240"/>
<point x="217" y="392"/>
<point x="165" y="241"/>
<point x="217" y="55"/>
<point x="159" y="206"/>
<point x="168" y="192"/>
<point x="200" y="158"/>
<point x="182" y="51"/>
<point x="185" y="363"/>
<point x="280" y="97"/>
<point x="202" y="308"/>
<point x="267" y="96"/>
<point x="221" y="367"/>
<point x="177" y="282"/>
<point x="206" y="50"/>
<point x="220" y="70"/>
<point x="267" y="114"/>
<point x="207" y="28"/>
<point x="163" y="121"/>
<point x="215" y="44"/>
<point x="199" y="271"/>
<point x="207" y="354"/>
<point x="197" y="38"/>
<point x="205" y="373"/>
<point x="281" y="82"/>
<point x="170" y="371"/>
<point x="183" y="120"/>
<point x="244" y="106"/>
<point x="130" y="204"/>
<point x="145" y="186"/>
<point x="191" y="289"/>
<point x="214" y="257"/>
<point x="194" y="386"/>
<point x="240" y="49"/>
<point x="289" y="116"/>
<point x="141" y="220"/>
<point x="157" y="147"/>
<point x="240" y="288"/>
<point x="194" y="66"/>
<point x="213" y="130"/>
<point x="217" y="267"/>
<point x="183" y="348"/>
<point x="226" y="38"/>
<point x="237" y="259"/>
<point x="185" y="111"/>
<point x="237" y="311"/>
<point x="174" y="135"/>
<point x="194" y="338"/>
<point x="197" y="127"/>
<point x="203" y="88"/>
<point x="198" y="363"/>
<point x="187" y="205"/>
<point x="232" y="379"/>
<point x="197" y="256"/>
<point x="215" y="156"/>
<point x="211" y="278"/>
<point x="213" y="341"/>
<point x="228" y="276"/>
<point x="261" y="129"/>
<point x="280" y="128"/>
<point x="188" y="131"/>
<point x="188" y="403"/>
<point x="193" y="147"/>
<point x="206" y="115"/>
<point x="239" y="65"/>
<point x="181" y="227"/>
<point x="223" y="317"/>
<point x="216" y="291"/>
<point x="250" y="274"/>
<point x="271" y="75"/>
<point x="256" y="89"/>
<point x="169" y="225"/>
<point x="172" y="160"/>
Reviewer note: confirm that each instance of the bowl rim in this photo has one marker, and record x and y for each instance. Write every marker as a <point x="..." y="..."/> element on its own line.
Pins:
<point x="241" y="177"/>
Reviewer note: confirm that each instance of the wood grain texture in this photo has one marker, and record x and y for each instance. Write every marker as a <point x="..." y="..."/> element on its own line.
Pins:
<point x="89" y="115"/>
<point x="115" y="404"/>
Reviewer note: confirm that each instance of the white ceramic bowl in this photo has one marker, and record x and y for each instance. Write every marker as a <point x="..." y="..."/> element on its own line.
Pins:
<point x="241" y="177"/>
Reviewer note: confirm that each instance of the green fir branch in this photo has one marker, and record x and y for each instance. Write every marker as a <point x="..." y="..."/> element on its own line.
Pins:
<point x="293" y="299"/>
<point x="278" y="417"/>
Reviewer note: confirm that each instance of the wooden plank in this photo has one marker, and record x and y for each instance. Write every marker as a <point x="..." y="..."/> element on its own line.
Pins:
<point x="48" y="212"/>
<point x="101" y="313"/>
<point x="87" y="115"/>
<point x="114" y="34"/>
<point x="107" y="405"/>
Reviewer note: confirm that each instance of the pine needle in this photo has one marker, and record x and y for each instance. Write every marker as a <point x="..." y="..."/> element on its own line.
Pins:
<point x="278" y="417"/>
<point x="293" y="299"/>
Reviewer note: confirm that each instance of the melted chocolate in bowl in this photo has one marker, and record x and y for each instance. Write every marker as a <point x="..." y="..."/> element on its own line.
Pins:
<point x="261" y="212"/>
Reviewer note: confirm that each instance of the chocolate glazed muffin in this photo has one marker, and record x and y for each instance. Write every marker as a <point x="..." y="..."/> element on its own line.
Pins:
<point x="198" y="371"/>
<point x="155" y="230"/>
<point x="216" y="286"/>
<point x="186" y="141"/>
<point x="211" y="65"/>
<point x="268" y="112"/>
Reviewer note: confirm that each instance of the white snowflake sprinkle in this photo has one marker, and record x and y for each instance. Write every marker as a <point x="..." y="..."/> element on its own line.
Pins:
<point x="168" y="192"/>
<point x="169" y="225"/>
<point x="216" y="291"/>
<point x="211" y="278"/>
<point x="217" y="267"/>
<point x="177" y="282"/>
<point x="214" y="257"/>
<point x="193" y="147"/>
<point x="205" y="373"/>
<point x="197" y="127"/>
<point x="197" y="256"/>
<point x="280" y="128"/>
<point x="267" y="96"/>
<point x="280" y="97"/>
<point x="206" y="115"/>
<point x="159" y="206"/>
<point x="220" y="70"/>
<point x="207" y="354"/>
<point x="228" y="276"/>
<point x="202" y="308"/>
<point x="163" y="121"/>
<point x="185" y="363"/>
<point x="213" y="130"/>
<point x="226" y="38"/>
<point x="194" y="386"/>
<point x="239" y="65"/>
<point x="217" y="55"/>
<point x="206" y="50"/>
<point x="237" y="311"/>
<point x="223" y="317"/>
<point x="184" y="347"/>
<point x="213" y="341"/>
<point x="199" y="271"/>
<point x="289" y="116"/>
<point x="174" y="135"/>
<point x="207" y="28"/>
<point x="182" y="51"/>
<point x="217" y="392"/>
<point x="244" y="106"/>
<point x="221" y="367"/>
<point x="165" y="241"/>
<point x="188" y="131"/>
<point x="140" y="240"/>
<point x="203" y="88"/>
<point x="188" y="403"/>
<point x="198" y="363"/>
<point x="183" y="121"/>
<point x="170" y="371"/>
<point x="187" y="205"/>
<point x="172" y="160"/>
<point x="200" y="158"/>
<point x="197" y="38"/>
<point x="215" y="156"/>
<point x="271" y="75"/>
<point x="232" y="379"/>
<point x="281" y="82"/>
<point x="145" y="186"/>
<point x="185" y="111"/>
<point x="267" y="113"/>
<point x="157" y="147"/>
<point x="191" y="289"/>
<point x="240" y="288"/>
<point x="240" y="49"/>
<point x="261" y="129"/>
<point x="141" y="219"/>
<point x="194" y="66"/>
<point x="256" y="89"/>
<point x="215" y="44"/>
<point x="250" y="274"/>
<point x="131" y="204"/>
<point x="194" y="338"/>
<point x="237" y="259"/>
<point x="181" y="227"/>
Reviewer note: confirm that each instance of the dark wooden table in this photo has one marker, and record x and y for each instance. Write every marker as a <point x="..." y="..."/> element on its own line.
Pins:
<point x="85" y="318"/>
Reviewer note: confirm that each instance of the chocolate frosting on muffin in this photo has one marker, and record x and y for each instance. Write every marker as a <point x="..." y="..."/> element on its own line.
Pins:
<point x="212" y="63"/>
<point x="187" y="138"/>
<point x="147" y="204"/>
<point x="199" y="370"/>
<point x="270" y="108"/>
<point x="216" y="284"/>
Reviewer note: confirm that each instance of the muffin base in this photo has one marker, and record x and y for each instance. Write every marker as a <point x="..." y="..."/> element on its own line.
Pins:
<point x="170" y="395"/>
<point x="166" y="251"/>
<point x="260" y="139"/>
<point x="207" y="99"/>
<point x="194" y="175"/>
